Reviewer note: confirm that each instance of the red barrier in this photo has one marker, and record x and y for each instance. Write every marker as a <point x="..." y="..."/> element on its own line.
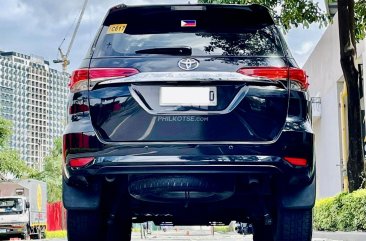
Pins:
<point x="56" y="216"/>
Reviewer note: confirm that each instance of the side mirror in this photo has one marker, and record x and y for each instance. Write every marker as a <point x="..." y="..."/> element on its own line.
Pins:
<point x="27" y="205"/>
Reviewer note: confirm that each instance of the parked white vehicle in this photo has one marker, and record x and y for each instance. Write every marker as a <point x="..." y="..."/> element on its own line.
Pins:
<point x="23" y="210"/>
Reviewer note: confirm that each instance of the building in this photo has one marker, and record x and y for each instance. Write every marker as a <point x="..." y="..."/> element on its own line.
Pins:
<point x="33" y="96"/>
<point x="330" y="109"/>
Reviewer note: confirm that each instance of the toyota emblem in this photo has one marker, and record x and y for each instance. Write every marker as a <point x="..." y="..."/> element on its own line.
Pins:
<point x="188" y="64"/>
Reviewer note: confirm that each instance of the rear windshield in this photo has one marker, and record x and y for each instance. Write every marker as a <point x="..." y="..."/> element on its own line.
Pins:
<point x="203" y="33"/>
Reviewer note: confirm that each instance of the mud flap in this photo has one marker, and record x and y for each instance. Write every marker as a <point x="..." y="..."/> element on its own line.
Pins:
<point x="301" y="198"/>
<point x="81" y="199"/>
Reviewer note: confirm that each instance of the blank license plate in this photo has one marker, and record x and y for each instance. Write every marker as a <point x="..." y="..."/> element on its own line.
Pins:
<point x="188" y="96"/>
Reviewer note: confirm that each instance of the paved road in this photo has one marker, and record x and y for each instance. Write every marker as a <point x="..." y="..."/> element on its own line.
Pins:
<point x="195" y="236"/>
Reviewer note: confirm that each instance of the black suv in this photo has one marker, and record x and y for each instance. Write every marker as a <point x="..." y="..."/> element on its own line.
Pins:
<point x="188" y="115"/>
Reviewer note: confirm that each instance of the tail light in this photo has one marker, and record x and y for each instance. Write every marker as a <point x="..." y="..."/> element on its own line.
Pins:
<point x="82" y="141"/>
<point x="80" y="77"/>
<point x="301" y="162"/>
<point x="78" y="108"/>
<point x="80" y="162"/>
<point x="298" y="78"/>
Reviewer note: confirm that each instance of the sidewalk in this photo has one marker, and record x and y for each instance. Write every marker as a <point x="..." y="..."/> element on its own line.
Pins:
<point x="179" y="233"/>
<point x="341" y="236"/>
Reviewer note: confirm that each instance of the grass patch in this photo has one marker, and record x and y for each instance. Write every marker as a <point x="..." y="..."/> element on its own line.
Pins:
<point x="223" y="229"/>
<point x="56" y="234"/>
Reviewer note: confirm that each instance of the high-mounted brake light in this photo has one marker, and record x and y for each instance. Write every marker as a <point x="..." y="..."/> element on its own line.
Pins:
<point x="297" y="76"/>
<point x="301" y="162"/>
<point x="80" y="162"/>
<point x="79" y="78"/>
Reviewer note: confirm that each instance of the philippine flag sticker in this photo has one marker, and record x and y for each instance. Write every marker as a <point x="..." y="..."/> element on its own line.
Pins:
<point x="188" y="23"/>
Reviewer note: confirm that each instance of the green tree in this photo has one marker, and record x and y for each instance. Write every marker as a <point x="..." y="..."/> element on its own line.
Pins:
<point x="288" y="13"/>
<point x="293" y="13"/>
<point x="352" y="27"/>
<point x="360" y="19"/>
<point x="52" y="173"/>
<point x="5" y="131"/>
<point x="10" y="162"/>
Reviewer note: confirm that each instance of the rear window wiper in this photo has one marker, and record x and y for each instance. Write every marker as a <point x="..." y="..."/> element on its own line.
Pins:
<point x="180" y="51"/>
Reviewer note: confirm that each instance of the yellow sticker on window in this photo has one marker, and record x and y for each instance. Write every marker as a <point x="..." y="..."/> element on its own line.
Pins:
<point x="116" y="28"/>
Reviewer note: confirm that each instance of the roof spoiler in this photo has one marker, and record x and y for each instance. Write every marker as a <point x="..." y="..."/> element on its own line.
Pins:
<point x="124" y="10"/>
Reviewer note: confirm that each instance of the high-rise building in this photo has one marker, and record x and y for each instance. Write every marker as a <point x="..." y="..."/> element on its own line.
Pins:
<point x="33" y="96"/>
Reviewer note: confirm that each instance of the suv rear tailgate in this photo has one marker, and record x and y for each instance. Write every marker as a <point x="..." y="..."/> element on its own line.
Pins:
<point x="245" y="110"/>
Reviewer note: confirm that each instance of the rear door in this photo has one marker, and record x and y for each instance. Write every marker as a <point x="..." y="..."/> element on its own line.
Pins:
<point x="188" y="74"/>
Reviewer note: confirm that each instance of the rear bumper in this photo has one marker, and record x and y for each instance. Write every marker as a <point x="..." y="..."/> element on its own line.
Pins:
<point x="235" y="164"/>
<point x="8" y="231"/>
<point x="270" y="168"/>
<point x="295" y="186"/>
<point x="138" y="158"/>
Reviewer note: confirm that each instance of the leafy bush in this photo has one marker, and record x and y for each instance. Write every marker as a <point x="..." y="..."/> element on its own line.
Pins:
<point x="345" y="212"/>
<point x="324" y="218"/>
<point x="56" y="234"/>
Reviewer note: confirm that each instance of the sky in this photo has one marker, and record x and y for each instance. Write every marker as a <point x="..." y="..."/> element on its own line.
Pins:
<point x="37" y="27"/>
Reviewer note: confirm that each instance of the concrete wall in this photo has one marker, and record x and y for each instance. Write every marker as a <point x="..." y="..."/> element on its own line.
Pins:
<point x="324" y="71"/>
<point x="326" y="81"/>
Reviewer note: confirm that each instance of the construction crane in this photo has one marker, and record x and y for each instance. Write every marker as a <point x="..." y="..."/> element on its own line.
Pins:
<point x="64" y="58"/>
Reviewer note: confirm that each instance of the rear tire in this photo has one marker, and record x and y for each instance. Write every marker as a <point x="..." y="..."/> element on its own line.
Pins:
<point x="262" y="232"/>
<point x="294" y="225"/>
<point x="120" y="231"/>
<point x="290" y="225"/>
<point x="26" y="235"/>
<point x="84" y="225"/>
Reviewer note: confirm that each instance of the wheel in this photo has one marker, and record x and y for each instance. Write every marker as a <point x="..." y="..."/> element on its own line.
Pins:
<point x="39" y="233"/>
<point x="262" y="232"/>
<point x="84" y="225"/>
<point x="26" y="235"/>
<point x="126" y="230"/>
<point x="120" y="231"/>
<point x="126" y="235"/>
<point x="294" y="225"/>
<point x="117" y="211"/>
<point x="289" y="225"/>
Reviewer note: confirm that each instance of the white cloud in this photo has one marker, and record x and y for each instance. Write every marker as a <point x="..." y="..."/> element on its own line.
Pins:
<point x="17" y="9"/>
<point x="302" y="41"/>
<point x="305" y="48"/>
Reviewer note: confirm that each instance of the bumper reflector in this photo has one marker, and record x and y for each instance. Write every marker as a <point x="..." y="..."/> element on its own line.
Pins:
<point x="297" y="161"/>
<point x="80" y="162"/>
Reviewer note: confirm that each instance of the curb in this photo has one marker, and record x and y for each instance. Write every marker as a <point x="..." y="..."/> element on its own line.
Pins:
<point x="341" y="236"/>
